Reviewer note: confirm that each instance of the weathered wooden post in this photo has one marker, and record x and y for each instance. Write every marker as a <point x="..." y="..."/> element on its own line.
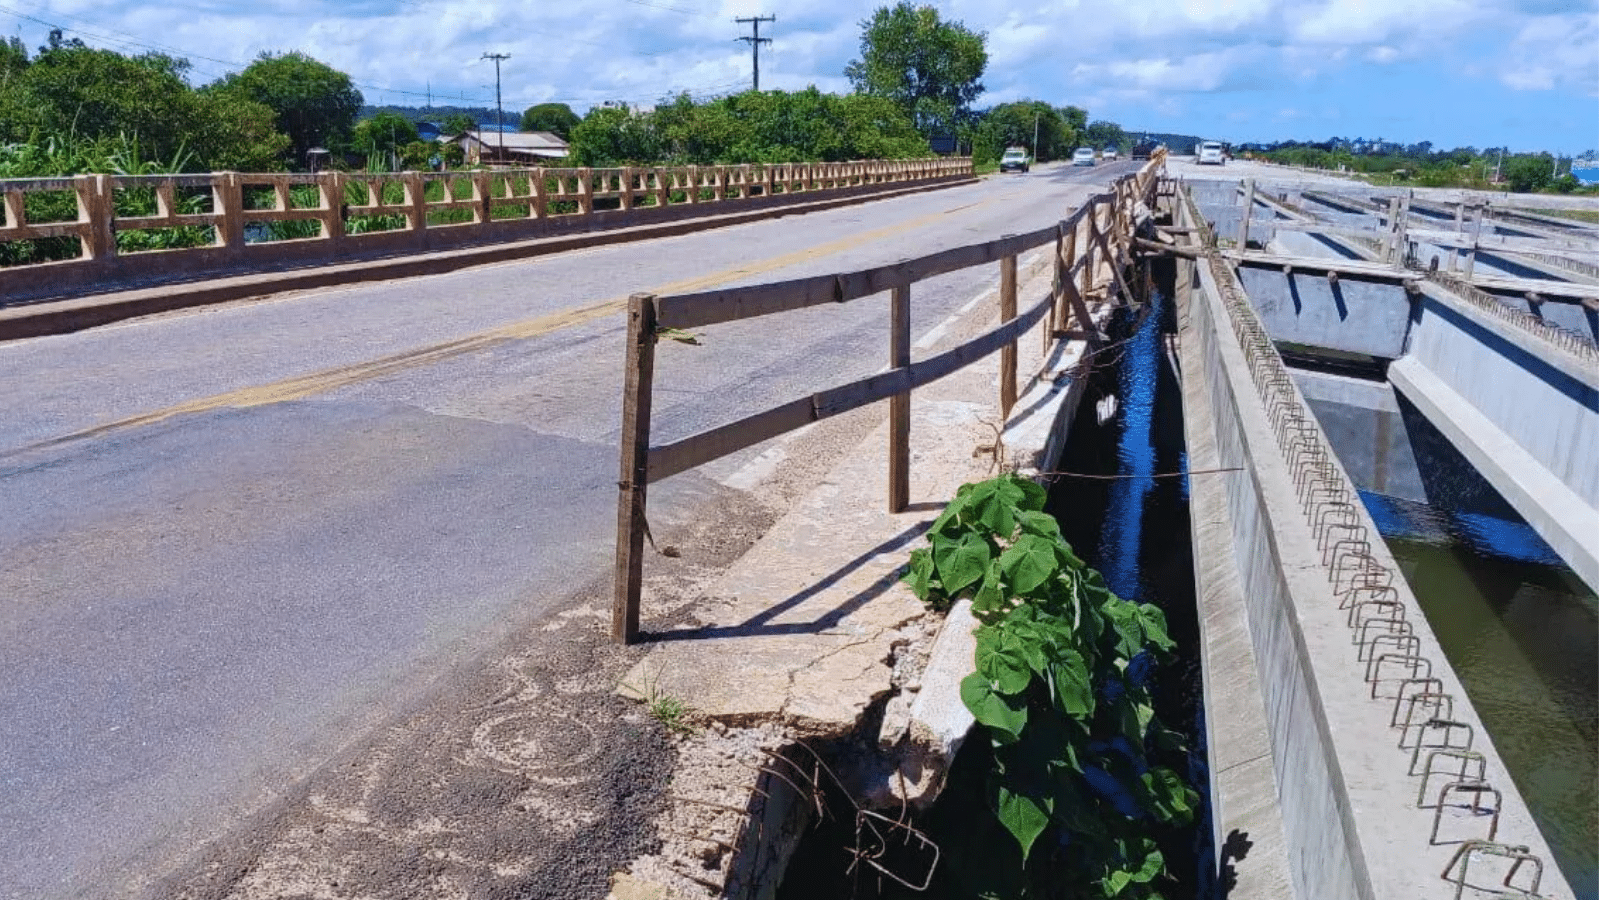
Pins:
<point x="900" y="404"/>
<point x="1008" y="353"/>
<point x="635" y="469"/>
<point x="1066" y="254"/>
<point x="1087" y="278"/>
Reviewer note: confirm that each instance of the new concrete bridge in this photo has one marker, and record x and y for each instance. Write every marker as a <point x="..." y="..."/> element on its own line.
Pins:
<point x="248" y="533"/>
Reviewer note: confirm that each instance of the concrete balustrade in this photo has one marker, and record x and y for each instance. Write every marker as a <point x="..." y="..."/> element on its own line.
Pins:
<point x="366" y="215"/>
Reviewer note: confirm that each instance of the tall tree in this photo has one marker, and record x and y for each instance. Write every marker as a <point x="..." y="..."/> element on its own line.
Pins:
<point x="1104" y="134"/>
<point x="928" y="66"/>
<point x="556" y="118"/>
<point x="75" y="92"/>
<point x="316" y="105"/>
<point x="455" y="123"/>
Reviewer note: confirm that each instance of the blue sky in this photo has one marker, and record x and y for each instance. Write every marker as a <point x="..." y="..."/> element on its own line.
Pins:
<point x="1519" y="73"/>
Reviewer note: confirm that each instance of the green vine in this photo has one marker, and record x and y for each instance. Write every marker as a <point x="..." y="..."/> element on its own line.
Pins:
<point x="1061" y="690"/>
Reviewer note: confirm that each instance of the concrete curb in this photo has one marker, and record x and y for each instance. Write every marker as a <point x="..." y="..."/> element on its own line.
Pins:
<point x="65" y="316"/>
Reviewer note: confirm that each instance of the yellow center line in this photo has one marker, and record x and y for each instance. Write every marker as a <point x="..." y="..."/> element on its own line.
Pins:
<point x="303" y="386"/>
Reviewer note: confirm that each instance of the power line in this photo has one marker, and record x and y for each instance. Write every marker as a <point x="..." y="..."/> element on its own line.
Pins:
<point x="755" y="40"/>
<point x="499" y="114"/>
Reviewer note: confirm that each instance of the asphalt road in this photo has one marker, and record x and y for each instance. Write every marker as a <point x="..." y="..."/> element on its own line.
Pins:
<point x="234" y="538"/>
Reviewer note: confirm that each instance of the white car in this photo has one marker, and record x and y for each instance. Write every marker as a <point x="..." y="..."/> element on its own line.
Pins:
<point x="1014" y="158"/>
<point x="1084" y="156"/>
<point x="1109" y="154"/>
<point x="1209" y="153"/>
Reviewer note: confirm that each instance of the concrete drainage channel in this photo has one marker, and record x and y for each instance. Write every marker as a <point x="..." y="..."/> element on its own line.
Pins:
<point x="821" y="772"/>
<point x="821" y="689"/>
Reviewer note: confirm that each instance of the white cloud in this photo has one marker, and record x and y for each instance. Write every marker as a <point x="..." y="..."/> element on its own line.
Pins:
<point x="1145" y="64"/>
<point x="1553" y="51"/>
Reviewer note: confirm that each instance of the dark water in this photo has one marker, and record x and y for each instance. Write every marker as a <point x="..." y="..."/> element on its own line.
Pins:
<point x="1134" y="528"/>
<point x="1519" y="628"/>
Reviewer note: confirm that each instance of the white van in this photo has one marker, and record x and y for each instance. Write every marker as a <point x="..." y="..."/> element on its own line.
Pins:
<point x="1209" y="153"/>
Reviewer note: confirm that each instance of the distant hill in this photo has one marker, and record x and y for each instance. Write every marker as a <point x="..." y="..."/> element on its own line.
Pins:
<point x="1180" y="144"/>
<point x="484" y="116"/>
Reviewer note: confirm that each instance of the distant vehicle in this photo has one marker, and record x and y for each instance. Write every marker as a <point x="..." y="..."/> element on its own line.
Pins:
<point x="1143" y="149"/>
<point x="1109" y="154"/>
<point x="1209" y="153"/>
<point x="1014" y="158"/>
<point x="1084" y="156"/>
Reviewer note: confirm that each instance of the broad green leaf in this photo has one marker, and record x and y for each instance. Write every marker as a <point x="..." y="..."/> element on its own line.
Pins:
<point x="1028" y="563"/>
<point x="920" y="574"/>
<point x="1006" y="669"/>
<point x="1042" y="524"/>
<point x="1154" y="623"/>
<point x="1033" y="495"/>
<point x="1023" y="816"/>
<point x="998" y="514"/>
<point x="1125" y="619"/>
<point x="1005" y="716"/>
<point x="1116" y="881"/>
<point x="989" y="598"/>
<point x="961" y="563"/>
<point x="1074" y="694"/>
<point x="952" y="512"/>
<point x="1152" y="864"/>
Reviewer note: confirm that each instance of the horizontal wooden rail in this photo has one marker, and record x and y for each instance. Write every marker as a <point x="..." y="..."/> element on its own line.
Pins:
<point x="1106" y="222"/>
<point x="731" y="304"/>
<point x="698" y="449"/>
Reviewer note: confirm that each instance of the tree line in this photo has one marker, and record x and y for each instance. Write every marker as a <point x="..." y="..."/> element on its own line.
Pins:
<point x="1423" y="165"/>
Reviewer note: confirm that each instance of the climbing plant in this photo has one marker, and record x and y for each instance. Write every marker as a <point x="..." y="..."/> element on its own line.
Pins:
<point x="1062" y="691"/>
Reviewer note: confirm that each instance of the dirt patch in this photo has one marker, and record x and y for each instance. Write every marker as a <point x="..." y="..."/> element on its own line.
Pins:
<point x="526" y="777"/>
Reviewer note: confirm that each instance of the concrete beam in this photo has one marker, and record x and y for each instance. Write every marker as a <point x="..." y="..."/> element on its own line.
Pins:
<point x="1565" y="521"/>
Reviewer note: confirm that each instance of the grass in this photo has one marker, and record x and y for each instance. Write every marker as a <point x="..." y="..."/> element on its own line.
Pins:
<point x="672" y="712"/>
<point x="1577" y="215"/>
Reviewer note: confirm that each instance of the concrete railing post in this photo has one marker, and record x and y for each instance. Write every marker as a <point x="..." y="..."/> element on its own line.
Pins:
<point x="627" y="187"/>
<point x="97" y="211"/>
<point x="586" y="191"/>
<point x="416" y="203"/>
<point x="330" y="190"/>
<point x="227" y="202"/>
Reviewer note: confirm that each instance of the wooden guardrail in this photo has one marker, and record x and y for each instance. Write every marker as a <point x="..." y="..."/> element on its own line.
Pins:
<point x="1091" y="249"/>
<point x="238" y="223"/>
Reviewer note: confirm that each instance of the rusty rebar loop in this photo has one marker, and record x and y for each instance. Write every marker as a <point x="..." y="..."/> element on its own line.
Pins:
<point x="1412" y="661"/>
<point x="1464" y="757"/>
<point x="1474" y="790"/>
<point x="1433" y="705"/>
<point x="1448" y="727"/>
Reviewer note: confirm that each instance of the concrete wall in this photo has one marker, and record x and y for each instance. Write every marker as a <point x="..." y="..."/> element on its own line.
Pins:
<point x="1363" y="421"/>
<point x="1352" y="315"/>
<point x="1350" y="825"/>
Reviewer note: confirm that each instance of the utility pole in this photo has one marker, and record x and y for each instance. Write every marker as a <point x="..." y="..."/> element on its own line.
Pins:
<point x="1036" y="137"/>
<point x="755" y="40"/>
<point x="499" y="115"/>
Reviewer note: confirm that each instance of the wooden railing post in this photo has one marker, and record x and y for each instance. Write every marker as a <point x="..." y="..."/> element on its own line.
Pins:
<point x="1066" y="255"/>
<point x="635" y="467"/>
<point x="1008" y="353"/>
<point x="1087" y="279"/>
<point x="900" y="404"/>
